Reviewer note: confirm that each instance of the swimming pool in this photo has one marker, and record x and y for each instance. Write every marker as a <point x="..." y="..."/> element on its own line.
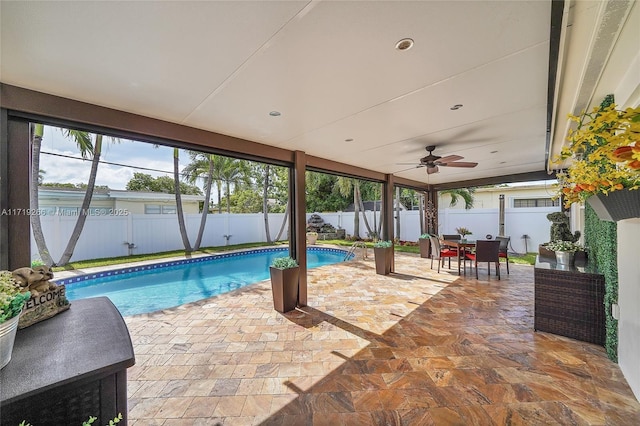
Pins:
<point x="150" y="288"/>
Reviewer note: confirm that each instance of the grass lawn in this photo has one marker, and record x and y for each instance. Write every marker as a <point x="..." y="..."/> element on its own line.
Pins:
<point x="528" y="259"/>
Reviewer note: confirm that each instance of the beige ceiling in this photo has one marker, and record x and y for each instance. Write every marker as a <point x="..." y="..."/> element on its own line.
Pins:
<point x="329" y="67"/>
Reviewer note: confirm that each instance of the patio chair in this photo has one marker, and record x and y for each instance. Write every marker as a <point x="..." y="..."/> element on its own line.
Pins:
<point x="504" y="245"/>
<point x="451" y="237"/>
<point x="486" y="251"/>
<point x="438" y="253"/>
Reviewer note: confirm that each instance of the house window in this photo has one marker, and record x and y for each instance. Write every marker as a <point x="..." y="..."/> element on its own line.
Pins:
<point x="152" y="209"/>
<point x="159" y="209"/>
<point x="535" y="202"/>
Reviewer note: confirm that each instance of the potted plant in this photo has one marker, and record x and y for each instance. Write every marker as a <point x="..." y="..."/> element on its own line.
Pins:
<point x="565" y="251"/>
<point x="604" y="168"/>
<point x="284" y="283"/>
<point x="312" y="237"/>
<point x="11" y="304"/>
<point x="464" y="232"/>
<point x="425" y="246"/>
<point x="383" y="253"/>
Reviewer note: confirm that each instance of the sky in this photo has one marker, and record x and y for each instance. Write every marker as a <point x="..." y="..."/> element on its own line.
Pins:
<point x="75" y="170"/>
<point x="132" y="153"/>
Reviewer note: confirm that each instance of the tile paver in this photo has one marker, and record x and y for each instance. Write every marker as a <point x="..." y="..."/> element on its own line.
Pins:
<point x="414" y="347"/>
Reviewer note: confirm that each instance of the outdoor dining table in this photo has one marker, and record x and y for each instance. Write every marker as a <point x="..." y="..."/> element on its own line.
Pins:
<point x="463" y="246"/>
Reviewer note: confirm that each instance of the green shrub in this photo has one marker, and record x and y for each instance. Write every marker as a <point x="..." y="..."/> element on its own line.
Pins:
<point x="383" y="244"/>
<point x="425" y="236"/>
<point x="284" y="263"/>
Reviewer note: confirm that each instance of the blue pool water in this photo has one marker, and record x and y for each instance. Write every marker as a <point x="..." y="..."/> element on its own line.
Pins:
<point x="149" y="288"/>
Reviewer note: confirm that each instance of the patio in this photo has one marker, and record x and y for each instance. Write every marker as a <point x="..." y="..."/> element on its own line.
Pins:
<point x="413" y="347"/>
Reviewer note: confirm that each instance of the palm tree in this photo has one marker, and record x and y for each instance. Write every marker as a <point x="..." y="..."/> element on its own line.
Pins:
<point x="345" y="187"/>
<point x="36" y="226"/>
<point x="465" y="193"/>
<point x="265" y="202"/>
<point x="201" y="165"/>
<point x="233" y="172"/>
<point x="87" y="149"/>
<point x="179" y="211"/>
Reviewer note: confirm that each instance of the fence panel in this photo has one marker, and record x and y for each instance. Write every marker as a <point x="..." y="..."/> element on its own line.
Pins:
<point x="105" y="236"/>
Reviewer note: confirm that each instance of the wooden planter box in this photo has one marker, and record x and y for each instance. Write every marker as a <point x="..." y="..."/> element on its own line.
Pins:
<point x="384" y="259"/>
<point x="425" y="247"/>
<point x="284" y="287"/>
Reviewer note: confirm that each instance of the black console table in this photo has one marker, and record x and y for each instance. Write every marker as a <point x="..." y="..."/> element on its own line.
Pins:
<point x="569" y="301"/>
<point x="68" y="368"/>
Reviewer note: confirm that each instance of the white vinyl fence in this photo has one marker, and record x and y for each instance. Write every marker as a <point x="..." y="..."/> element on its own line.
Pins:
<point x="111" y="236"/>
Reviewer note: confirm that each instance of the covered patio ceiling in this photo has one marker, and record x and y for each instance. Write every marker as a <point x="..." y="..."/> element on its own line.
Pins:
<point x="332" y="71"/>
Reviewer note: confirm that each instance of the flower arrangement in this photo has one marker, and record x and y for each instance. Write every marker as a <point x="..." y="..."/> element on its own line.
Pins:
<point x="11" y="299"/>
<point x="559" y="245"/>
<point x="284" y="263"/>
<point x="605" y="153"/>
<point x="463" y="231"/>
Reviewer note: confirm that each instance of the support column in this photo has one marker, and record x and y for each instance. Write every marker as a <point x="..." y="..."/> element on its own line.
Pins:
<point x="17" y="194"/>
<point x="298" y="223"/>
<point x="387" y="203"/>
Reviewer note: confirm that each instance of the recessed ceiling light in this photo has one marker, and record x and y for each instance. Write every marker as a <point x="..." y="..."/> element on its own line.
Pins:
<point x="456" y="106"/>
<point x="503" y="162"/>
<point x="493" y="152"/>
<point x="404" y="44"/>
<point x="349" y="140"/>
<point x="275" y="113"/>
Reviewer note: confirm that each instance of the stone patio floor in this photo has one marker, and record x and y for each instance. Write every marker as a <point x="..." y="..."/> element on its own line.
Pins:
<point x="411" y="348"/>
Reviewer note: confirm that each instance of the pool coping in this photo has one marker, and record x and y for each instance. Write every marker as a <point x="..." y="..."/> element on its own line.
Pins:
<point x="79" y="275"/>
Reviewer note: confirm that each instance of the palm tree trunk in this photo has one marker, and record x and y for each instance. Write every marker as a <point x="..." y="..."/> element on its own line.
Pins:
<point x="356" y="187"/>
<point x="36" y="226"/>
<point x="284" y="220"/>
<point x="356" y="216"/>
<point x="86" y="202"/>
<point x="228" y="197"/>
<point x="205" y="209"/>
<point x="397" y="212"/>
<point x="219" y="187"/>
<point x="176" y="186"/>
<point x="265" y="204"/>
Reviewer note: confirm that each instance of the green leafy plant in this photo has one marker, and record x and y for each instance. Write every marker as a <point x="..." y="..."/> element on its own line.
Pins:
<point x="37" y="262"/>
<point x="601" y="236"/>
<point x="11" y="299"/>
<point x="425" y="236"/>
<point x="559" y="245"/>
<point x="383" y="244"/>
<point x="284" y="263"/>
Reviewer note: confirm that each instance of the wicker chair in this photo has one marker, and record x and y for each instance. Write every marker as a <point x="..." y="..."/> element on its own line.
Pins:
<point x="486" y="251"/>
<point x="504" y="246"/>
<point x="438" y="253"/>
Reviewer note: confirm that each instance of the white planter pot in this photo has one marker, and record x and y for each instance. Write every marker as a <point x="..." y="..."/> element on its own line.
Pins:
<point x="7" y="337"/>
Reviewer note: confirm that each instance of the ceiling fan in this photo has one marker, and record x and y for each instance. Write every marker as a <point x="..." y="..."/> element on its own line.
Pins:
<point x="431" y="162"/>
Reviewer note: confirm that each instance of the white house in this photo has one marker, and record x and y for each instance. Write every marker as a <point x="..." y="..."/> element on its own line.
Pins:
<point x="67" y="201"/>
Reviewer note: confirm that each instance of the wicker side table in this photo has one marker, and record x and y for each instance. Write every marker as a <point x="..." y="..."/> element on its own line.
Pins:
<point x="569" y="303"/>
<point x="69" y="367"/>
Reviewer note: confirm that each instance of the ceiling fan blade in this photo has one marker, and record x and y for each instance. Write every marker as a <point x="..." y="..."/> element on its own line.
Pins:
<point x="410" y="164"/>
<point x="432" y="170"/>
<point x="449" y="158"/>
<point x="460" y="164"/>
